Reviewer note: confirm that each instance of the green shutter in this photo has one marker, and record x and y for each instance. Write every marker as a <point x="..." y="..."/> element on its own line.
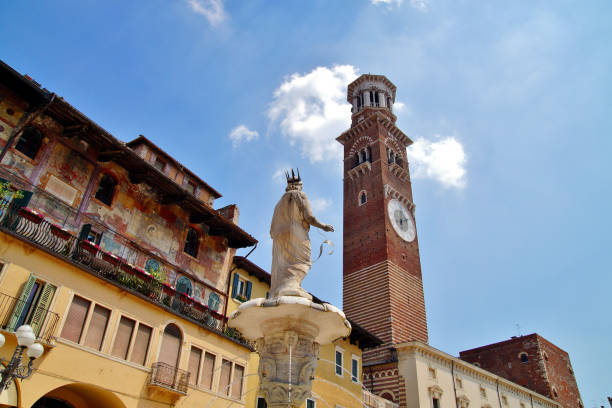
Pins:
<point x="235" y="285"/>
<point x="42" y="306"/>
<point x="20" y="303"/>
<point x="248" y="290"/>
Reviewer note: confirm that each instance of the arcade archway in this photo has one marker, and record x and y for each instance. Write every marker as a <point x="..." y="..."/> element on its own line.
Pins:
<point x="79" y="396"/>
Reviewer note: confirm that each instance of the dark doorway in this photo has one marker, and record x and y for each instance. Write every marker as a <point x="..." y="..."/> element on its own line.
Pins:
<point x="46" y="402"/>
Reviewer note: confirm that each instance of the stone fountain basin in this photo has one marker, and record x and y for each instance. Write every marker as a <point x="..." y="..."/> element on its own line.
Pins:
<point x="259" y="317"/>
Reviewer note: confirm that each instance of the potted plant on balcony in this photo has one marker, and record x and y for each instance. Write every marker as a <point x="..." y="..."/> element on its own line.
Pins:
<point x="30" y="215"/>
<point x="59" y="232"/>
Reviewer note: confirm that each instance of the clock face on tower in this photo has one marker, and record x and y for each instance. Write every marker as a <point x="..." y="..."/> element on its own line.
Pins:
<point x="401" y="219"/>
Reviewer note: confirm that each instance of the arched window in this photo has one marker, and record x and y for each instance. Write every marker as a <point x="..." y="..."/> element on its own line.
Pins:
<point x="192" y="242"/>
<point x="523" y="357"/>
<point x="29" y="143"/>
<point x="388" y="396"/>
<point x="363" y="198"/>
<point x="106" y="189"/>
<point x="171" y="346"/>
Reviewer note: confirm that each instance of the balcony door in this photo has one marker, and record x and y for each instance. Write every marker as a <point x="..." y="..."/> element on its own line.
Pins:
<point x="32" y="306"/>
<point x="171" y="346"/>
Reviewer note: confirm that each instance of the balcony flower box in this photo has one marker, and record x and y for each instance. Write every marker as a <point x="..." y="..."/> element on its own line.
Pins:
<point x="111" y="259"/>
<point x="186" y="299"/>
<point x="199" y="305"/>
<point x="168" y="289"/>
<point x="144" y="274"/>
<point x="60" y="232"/>
<point x="89" y="246"/>
<point x="129" y="269"/>
<point x="30" y="215"/>
<point x="216" y="315"/>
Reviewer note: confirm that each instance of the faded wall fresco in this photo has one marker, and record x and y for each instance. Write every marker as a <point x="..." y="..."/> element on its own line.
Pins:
<point x="136" y="213"/>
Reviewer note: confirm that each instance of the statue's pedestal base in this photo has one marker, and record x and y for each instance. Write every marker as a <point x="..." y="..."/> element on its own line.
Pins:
<point x="289" y="331"/>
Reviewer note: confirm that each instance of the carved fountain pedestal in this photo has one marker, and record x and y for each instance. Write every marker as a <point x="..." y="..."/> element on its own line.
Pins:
<point x="288" y="331"/>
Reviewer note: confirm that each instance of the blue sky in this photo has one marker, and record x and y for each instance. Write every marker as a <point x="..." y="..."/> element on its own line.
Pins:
<point x="508" y="104"/>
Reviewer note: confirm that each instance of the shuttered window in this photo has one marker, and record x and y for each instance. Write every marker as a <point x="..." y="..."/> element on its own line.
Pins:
<point x="141" y="344"/>
<point x="237" y="381"/>
<point x="73" y="327"/>
<point x="123" y="337"/>
<point x="207" y="371"/>
<point x="224" y="381"/>
<point x="97" y="327"/>
<point x="195" y="357"/>
<point x="171" y="346"/>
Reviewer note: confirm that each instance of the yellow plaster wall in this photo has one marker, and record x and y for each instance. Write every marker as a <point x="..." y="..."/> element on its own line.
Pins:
<point x="68" y="363"/>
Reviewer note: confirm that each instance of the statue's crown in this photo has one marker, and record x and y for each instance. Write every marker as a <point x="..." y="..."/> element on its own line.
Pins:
<point x="292" y="179"/>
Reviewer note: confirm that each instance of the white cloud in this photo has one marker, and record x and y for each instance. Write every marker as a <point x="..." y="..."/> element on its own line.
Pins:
<point x="443" y="160"/>
<point x="241" y="134"/>
<point x="399" y="106"/>
<point x="311" y="110"/>
<point x="279" y="175"/>
<point x="420" y="5"/>
<point x="211" y="9"/>
<point x="320" y="204"/>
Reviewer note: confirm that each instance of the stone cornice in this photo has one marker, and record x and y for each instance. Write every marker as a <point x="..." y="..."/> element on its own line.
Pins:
<point x="418" y="348"/>
<point x="393" y="131"/>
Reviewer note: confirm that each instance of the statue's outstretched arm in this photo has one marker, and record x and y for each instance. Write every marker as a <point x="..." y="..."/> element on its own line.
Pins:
<point x="309" y="216"/>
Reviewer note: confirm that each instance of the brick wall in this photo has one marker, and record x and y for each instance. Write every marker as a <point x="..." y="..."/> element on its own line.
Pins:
<point x="547" y="370"/>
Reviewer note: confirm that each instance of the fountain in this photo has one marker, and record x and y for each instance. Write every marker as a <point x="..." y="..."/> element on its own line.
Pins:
<point x="289" y="327"/>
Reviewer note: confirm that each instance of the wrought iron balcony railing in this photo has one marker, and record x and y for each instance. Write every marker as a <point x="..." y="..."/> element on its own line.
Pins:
<point x="167" y="376"/>
<point x="14" y="312"/>
<point x="117" y="264"/>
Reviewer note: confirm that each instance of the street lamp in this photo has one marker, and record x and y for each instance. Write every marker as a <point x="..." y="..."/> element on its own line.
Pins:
<point x="14" y="368"/>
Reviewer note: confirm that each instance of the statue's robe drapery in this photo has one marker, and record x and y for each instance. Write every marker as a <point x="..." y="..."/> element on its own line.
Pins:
<point x="291" y="250"/>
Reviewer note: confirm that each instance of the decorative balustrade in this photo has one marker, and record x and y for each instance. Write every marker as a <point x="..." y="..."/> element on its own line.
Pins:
<point x="118" y="266"/>
<point x="14" y="312"/>
<point x="167" y="376"/>
<point x="374" y="401"/>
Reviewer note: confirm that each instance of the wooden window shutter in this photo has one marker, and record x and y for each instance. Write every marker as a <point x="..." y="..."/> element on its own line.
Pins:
<point x="249" y="285"/>
<point x="21" y="302"/>
<point x="237" y="381"/>
<point x="171" y="346"/>
<point x="208" y="371"/>
<point x="97" y="327"/>
<point x="40" y="312"/>
<point x="141" y="344"/>
<point x="235" y="285"/>
<point x="195" y="356"/>
<point x="75" y="320"/>
<point x="224" y="381"/>
<point x="123" y="337"/>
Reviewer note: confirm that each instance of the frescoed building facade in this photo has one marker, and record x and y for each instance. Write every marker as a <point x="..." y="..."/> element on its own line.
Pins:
<point x="114" y="254"/>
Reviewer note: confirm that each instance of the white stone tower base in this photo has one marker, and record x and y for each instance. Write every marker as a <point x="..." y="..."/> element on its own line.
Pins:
<point x="288" y="331"/>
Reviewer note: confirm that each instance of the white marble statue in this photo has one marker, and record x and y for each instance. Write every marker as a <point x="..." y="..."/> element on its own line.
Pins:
<point x="289" y="230"/>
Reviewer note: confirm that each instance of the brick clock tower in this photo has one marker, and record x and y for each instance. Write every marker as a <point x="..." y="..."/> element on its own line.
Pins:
<point x="382" y="288"/>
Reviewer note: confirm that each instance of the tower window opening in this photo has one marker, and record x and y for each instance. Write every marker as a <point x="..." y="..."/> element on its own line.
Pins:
<point x="361" y="100"/>
<point x="523" y="357"/>
<point x="363" y="198"/>
<point x="376" y="100"/>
